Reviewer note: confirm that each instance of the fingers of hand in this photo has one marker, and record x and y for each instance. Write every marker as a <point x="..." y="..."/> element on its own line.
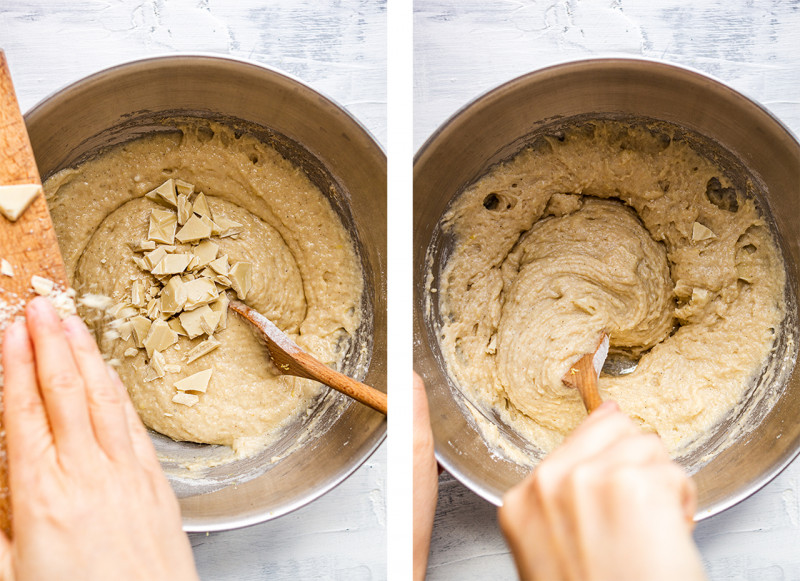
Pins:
<point x="689" y="501"/>
<point x="421" y="415"/>
<point x="423" y="436"/>
<point x="104" y="399"/>
<point x="537" y="539"/>
<point x="62" y="387"/>
<point x="140" y="440"/>
<point x="27" y="427"/>
<point x="634" y="473"/>
<point x="572" y="500"/>
<point x="602" y="429"/>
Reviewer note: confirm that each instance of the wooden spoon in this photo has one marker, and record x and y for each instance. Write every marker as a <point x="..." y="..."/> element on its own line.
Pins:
<point x="28" y="244"/>
<point x="582" y="375"/>
<point x="292" y="360"/>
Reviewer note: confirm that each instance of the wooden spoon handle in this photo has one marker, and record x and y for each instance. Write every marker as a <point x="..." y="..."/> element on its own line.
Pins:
<point x="588" y="386"/>
<point x="582" y="375"/>
<point x="362" y="392"/>
<point x="292" y="360"/>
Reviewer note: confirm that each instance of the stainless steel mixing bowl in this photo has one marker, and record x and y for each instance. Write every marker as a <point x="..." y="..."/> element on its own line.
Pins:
<point x="766" y="437"/>
<point x="335" y="151"/>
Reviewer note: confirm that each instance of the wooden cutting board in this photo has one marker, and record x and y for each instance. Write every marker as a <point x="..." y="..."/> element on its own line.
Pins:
<point x="29" y="244"/>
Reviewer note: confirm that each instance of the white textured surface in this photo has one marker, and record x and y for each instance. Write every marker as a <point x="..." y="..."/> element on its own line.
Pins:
<point x="339" y="49"/>
<point x="463" y="49"/>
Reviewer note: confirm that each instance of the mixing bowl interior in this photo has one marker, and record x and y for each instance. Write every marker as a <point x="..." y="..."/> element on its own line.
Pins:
<point x="499" y="124"/>
<point x="340" y="157"/>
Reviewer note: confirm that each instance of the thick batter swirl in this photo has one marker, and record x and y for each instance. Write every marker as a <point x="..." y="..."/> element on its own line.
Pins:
<point x="617" y="228"/>
<point x="593" y="270"/>
<point x="306" y="275"/>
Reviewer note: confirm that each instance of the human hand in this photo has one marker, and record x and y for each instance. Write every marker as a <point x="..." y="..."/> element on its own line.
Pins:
<point x="88" y="496"/>
<point x="426" y="480"/>
<point x="608" y="504"/>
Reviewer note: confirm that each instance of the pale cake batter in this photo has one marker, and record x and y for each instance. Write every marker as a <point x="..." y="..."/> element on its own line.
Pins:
<point x="617" y="228"/>
<point x="306" y="275"/>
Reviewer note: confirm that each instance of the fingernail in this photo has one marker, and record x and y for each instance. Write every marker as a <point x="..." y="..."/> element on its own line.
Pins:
<point x="74" y="326"/>
<point x="116" y="379"/>
<point x="608" y="406"/>
<point x="16" y="331"/>
<point x="42" y="308"/>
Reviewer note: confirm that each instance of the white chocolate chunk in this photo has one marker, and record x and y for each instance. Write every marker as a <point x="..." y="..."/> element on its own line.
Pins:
<point x="143" y="246"/>
<point x="6" y="268"/>
<point x="205" y="252"/>
<point x="196" y="228"/>
<point x="700" y="232"/>
<point x="156" y="368"/>
<point x="131" y="352"/>
<point x="95" y="301"/>
<point x="127" y="311"/>
<point x="200" y="206"/>
<point x="153" y="309"/>
<point x="172" y="368"/>
<point x="164" y="194"/>
<point x="187" y="399"/>
<point x="184" y="188"/>
<point x="241" y="276"/>
<point x="199" y="292"/>
<point x="111" y="335"/>
<point x="221" y="306"/>
<point x="223" y="227"/>
<point x="222" y="280"/>
<point x="42" y="286"/>
<point x="173" y="297"/>
<point x="184" y="209"/>
<point x="159" y="337"/>
<point x="172" y="264"/>
<point x="64" y="305"/>
<point x="201" y="349"/>
<point x="220" y="265"/>
<point x="162" y="226"/>
<point x="209" y="321"/>
<point x="701" y="297"/>
<point x="141" y="328"/>
<point x="14" y="200"/>
<point x="175" y="324"/>
<point x="192" y="321"/>
<point x="195" y="382"/>
<point x="151" y="259"/>
<point x="138" y="295"/>
<point x="124" y="328"/>
<point x="115" y="310"/>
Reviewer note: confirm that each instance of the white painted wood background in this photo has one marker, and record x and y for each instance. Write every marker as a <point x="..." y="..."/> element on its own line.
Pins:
<point x="461" y="50"/>
<point x="339" y="48"/>
<point x="465" y="48"/>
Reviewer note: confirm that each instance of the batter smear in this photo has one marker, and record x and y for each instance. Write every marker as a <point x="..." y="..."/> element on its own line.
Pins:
<point x="619" y="228"/>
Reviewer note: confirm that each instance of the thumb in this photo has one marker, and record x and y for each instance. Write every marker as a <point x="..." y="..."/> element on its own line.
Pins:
<point x="420" y="405"/>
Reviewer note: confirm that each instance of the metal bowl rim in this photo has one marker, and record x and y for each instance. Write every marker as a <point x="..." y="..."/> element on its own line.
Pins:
<point x="196" y="525"/>
<point x="570" y="64"/>
<point x="197" y="56"/>
<point x="573" y="65"/>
